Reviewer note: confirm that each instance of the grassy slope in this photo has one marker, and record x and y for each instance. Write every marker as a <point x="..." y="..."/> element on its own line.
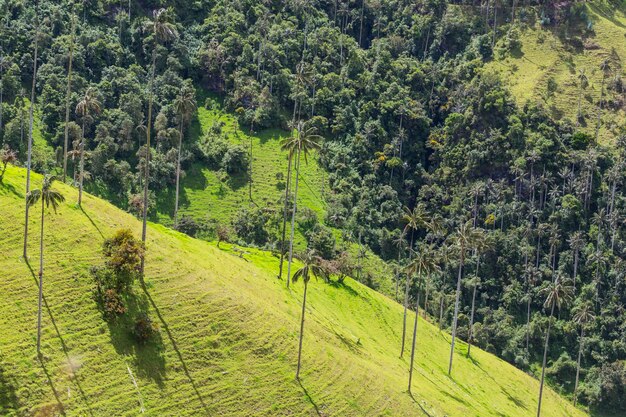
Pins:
<point x="544" y="56"/>
<point x="228" y="336"/>
<point x="203" y="197"/>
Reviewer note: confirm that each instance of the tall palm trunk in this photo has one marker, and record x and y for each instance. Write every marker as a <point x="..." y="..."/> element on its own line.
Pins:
<point x="417" y="309"/>
<point x="301" y="330"/>
<point x="600" y="105"/>
<point x="82" y="163"/>
<point x="30" y="139"/>
<point x="68" y="93"/>
<point x="471" y="323"/>
<point x="147" y="175"/>
<point x="293" y="216"/>
<point x="545" y="357"/>
<point x="406" y="298"/>
<point x="284" y="230"/>
<point x="180" y="149"/>
<point x="456" y="308"/>
<point x="576" y="255"/>
<point x="40" y="280"/>
<point x="580" y="351"/>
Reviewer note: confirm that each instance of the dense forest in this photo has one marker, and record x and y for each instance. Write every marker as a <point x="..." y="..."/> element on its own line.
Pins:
<point x="504" y="222"/>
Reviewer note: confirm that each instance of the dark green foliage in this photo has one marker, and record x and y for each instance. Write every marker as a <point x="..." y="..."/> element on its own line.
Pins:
<point x="322" y="241"/>
<point x="250" y="225"/>
<point x="123" y="254"/>
<point x="144" y="328"/>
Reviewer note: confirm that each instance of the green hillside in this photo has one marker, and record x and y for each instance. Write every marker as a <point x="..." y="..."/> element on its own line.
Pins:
<point x="228" y="336"/>
<point x="204" y="196"/>
<point x="547" y="65"/>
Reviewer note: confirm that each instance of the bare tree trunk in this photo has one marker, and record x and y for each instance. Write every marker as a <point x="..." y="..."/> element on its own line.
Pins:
<point x="67" y="102"/>
<point x="301" y="330"/>
<point x="147" y="168"/>
<point x="30" y="140"/>
<point x="406" y="298"/>
<point x="417" y="309"/>
<point x="284" y="233"/>
<point x="293" y="217"/>
<point x="180" y="149"/>
<point x="82" y="164"/>
<point x="456" y="310"/>
<point x="580" y="351"/>
<point x="545" y="357"/>
<point x="40" y="281"/>
<point x="471" y="324"/>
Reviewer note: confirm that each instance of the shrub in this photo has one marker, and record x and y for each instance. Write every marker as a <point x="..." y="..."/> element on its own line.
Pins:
<point x="235" y="159"/>
<point x="321" y="240"/>
<point x="112" y="304"/>
<point x="188" y="225"/>
<point x="223" y="234"/>
<point x="145" y="329"/>
<point x="123" y="254"/>
<point x="249" y="225"/>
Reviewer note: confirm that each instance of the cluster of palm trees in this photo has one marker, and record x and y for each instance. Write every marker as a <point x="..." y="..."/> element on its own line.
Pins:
<point x="87" y="108"/>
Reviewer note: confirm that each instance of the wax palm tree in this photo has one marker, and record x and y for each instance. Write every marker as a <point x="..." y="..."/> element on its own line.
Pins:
<point x="466" y="237"/>
<point x="30" y="134"/>
<point x="558" y="293"/>
<point x="424" y="264"/>
<point x="582" y="317"/>
<point x="302" y="142"/>
<point x="481" y="245"/>
<point x="184" y="105"/>
<point x="583" y="82"/>
<point x="533" y="277"/>
<point x="312" y="265"/>
<point x="577" y="244"/>
<point x="48" y="197"/>
<point x="88" y="105"/>
<point x="163" y="31"/>
<point x="414" y="220"/>
<point x="605" y="67"/>
<point x="7" y="156"/>
<point x="68" y="94"/>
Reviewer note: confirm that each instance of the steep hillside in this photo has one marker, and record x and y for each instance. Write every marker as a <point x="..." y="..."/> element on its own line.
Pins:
<point x="547" y="67"/>
<point x="228" y="336"/>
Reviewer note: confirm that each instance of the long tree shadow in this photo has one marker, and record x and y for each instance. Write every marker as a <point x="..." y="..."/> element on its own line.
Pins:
<point x="59" y="407"/>
<point x="419" y="405"/>
<point x="75" y="376"/>
<point x="174" y="345"/>
<point x="308" y="396"/>
<point x="9" y="402"/>
<point x="91" y="221"/>
<point x="147" y="356"/>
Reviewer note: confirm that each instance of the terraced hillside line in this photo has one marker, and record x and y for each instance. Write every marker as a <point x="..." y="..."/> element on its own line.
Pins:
<point x="228" y="336"/>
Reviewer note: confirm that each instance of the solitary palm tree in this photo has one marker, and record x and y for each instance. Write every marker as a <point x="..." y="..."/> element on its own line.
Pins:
<point x="311" y="266"/>
<point x="415" y="219"/>
<point x="163" y="31"/>
<point x="424" y="264"/>
<point x="184" y="104"/>
<point x="558" y="293"/>
<point x="30" y="134"/>
<point x="303" y="141"/>
<point x="87" y="105"/>
<point x="582" y="317"/>
<point x="48" y="197"/>
<point x="466" y="237"/>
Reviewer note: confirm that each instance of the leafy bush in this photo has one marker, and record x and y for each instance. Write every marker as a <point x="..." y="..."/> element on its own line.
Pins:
<point x="250" y="225"/>
<point x="123" y="254"/>
<point x="112" y="304"/>
<point x="235" y="159"/>
<point x="321" y="240"/>
<point x="188" y="225"/>
<point x="145" y="329"/>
